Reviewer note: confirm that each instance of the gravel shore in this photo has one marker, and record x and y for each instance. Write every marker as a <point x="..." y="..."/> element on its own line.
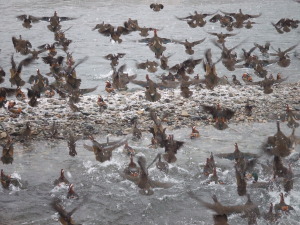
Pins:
<point x="124" y="107"/>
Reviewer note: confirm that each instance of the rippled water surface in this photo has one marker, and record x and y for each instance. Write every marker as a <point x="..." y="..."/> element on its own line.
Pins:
<point x="105" y="197"/>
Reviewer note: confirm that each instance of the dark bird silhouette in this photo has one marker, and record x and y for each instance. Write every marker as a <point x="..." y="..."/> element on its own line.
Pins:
<point x="282" y="207"/>
<point x="22" y="46"/>
<point x="151" y="66"/>
<point x="221" y="37"/>
<point x="171" y="148"/>
<point x="7" y="151"/>
<point x="279" y="144"/>
<point x="270" y="216"/>
<point x="15" y="72"/>
<point x="114" y="58"/>
<point x="103" y="151"/>
<point x="264" y="49"/>
<point x="156" y="7"/>
<point x="163" y="166"/>
<point x="121" y="79"/>
<point x="283" y="58"/>
<point x="28" y="20"/>
<point x="189" y="45"/>
<point x="64" y="216"/>
<point x="72" y="144"/>
<point x="55" y="21"/>
<point x="71" y="193"/>
<point x="61" y="179"/>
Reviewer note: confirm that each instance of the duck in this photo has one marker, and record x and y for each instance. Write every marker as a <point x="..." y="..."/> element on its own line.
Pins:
<point x="270" y="215"/>
<point x="22" y="46"/>
<point x="55" y="21"/>
<point x="282" y="207"/>
<point x="189" y="45"/>
<point x="218" y="113"/>
<point x="171" y="147"/>
<point x="145" y="183"/>
<point x="237" y="154"/>
<point x="61" y="179"/>
<point x="132" y="171"/>
<point x="214" y="177"/>
<point x="144" y="31"/>
<point x="221" y="36"/>
<point x="7" y="151"/>
<point x="71" y="193"/>
<point x="101" y="103"/>
<point x="114" y="58"/>
<point x="156" y="7"/>
<point x="279" y="144"/>
<point x="283" y="59"/>
<point x="164" y="62"/>
<point x="211" y="77"/>
<point x="28" y="20"/>
<point x="72" y="144"/>
<point x="64" y="217"/>
<point x="195" y="133"/>
<point x="264" y="49"/>
<point x="27" y="132"/>
<point x="7" y="180"/>
<point x="185" y="90"/>
<point x="288" y="181"/>
<point x="235" y="81"/>
<point x="240" y="17"/>
<point x="136" y="132"/>
<point x="121" y="79"/>
<point x="162" y="166"/>
<point x="209" y="165"/>
<point x="151" y="66"/>
<point x="128" y="149"/>
<point x="291" y="116"/>
<point x="2" y="75"/>
<point x="108" y="87"/>
<point x="15" y="72"/>
<point x="103" y="151"/>
<point x="249" y="209"/>
<point x="248" y="108"/>
<point x="241" y="182"/>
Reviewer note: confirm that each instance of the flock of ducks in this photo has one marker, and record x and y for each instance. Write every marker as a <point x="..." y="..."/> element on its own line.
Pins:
<point x="67" y="85"/>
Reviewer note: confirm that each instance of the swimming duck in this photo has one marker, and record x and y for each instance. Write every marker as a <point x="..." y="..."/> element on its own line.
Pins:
<point x="7" y="180"/>
<point x="214" y="177"/>
<point x="64" y="217"/>
<point x="189" y="45"/>
<point x="128" y="149"/>
<point x="162" y="166"/>
<point x="15" y="71"/>
<point x="171" y="148"/>
<point x="156" y="7"/>
<point x="221" y="37"/>
<point x="71" y="193"/>
<point x="61" y="179"/>
<point x="22" y="46"/>
<point x="282" y="206"/>
<point x="27" y="20"/>
<point x="103" y="151"/>
<point x="132" y="171"/>
<point x="270" y="215"/>
<point x="291" y="116"/>
<point x="136" y="132"/>
<point x="240" y="181"/>
<point x="145" y="183"/>
<point x="114" y="58"/>
<point x="195" y="133"/>
<point x="72" y="144"/>
<point x="7" y="151"/>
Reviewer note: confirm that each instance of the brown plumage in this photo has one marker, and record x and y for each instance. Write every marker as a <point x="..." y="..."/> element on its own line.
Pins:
<point x="64" y="216"/>
<point x="61" y="179"/>
<point x="156" y="7"/>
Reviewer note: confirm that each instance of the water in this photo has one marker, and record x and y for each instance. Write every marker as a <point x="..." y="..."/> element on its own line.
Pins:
<point x="105" y="197"/>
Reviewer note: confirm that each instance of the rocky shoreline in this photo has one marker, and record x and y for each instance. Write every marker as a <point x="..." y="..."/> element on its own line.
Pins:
<point x="124" y="107"/>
